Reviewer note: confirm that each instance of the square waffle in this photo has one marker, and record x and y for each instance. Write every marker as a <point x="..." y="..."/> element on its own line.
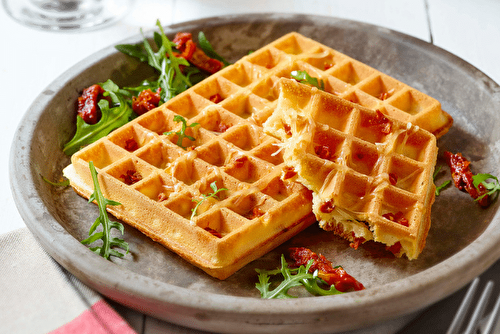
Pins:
<point x="354" y="81"/>
<point x="259" y="210"/>
<point x="371" y="175"/>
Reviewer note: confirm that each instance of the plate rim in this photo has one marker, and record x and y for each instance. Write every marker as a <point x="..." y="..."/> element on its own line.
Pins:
<point x="186" y="298"/>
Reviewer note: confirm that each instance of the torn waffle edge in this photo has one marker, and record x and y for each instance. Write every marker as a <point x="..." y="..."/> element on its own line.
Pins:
<point x="352" y="229"/>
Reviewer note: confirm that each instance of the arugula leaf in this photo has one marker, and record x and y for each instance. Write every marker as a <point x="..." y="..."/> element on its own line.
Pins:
<point x="289" y="281"/>
<point x="112" y="117"/>
<point x="209" y="50"/>
<point x="63" y="183"/>
<point x="436" y="172"/>
<point x="133" y="50"/>
<point x="313" y="287"/>
<point x="171" y="80"/>
<point x="181" y="134"/>
<point x="175" y="75"/>
<point x="291" y="278"/>
<point x="493" y="186"/>
<point x="443" y="185"/>
<point x="105" y="250"/>
<point x="213" y="185"/>
<point x="304" y="77"/>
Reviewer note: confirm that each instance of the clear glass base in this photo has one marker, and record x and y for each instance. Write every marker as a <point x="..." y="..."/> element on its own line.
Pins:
<point x="67" y="15"/>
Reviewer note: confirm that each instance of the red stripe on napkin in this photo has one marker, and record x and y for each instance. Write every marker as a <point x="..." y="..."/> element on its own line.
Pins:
<point x="100" y="319"/>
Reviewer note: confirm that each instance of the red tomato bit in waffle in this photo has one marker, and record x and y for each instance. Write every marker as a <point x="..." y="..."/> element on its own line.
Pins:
<point x="162" y="197"/>
<point x="327" y="207"/>
<point x="356" y="241"/>
<point x="462" y="177"/>
<point x="288" y="129"/>
<point x="393" y="179"/>
<point x="323" y="152"/>
<point x="254" y="213"/>
<point x="213" y="232"/>
<point x="216" y="98"/>
<point x="131" y="177"/>
<point x="380" y="121"/>
<point x="336" y="276"/>
<point x="397" y="217"/>
<point x="222" y="127"/>
<point x="288" y="172"/>
<point x="131" y="145"/>
<point x="394" y="249"/>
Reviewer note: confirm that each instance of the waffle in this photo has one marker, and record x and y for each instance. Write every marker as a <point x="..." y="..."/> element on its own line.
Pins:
<point x="371" y="176"/>
<point x="354" y="81"/>
<point x="259" y="210"/>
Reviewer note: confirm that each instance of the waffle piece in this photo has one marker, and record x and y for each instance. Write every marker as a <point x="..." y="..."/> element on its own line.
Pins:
<point x="371" y="175"/>
<point x="158" y="183"/>
<point x="354" y="81"/>
<point x="231" y="149"/>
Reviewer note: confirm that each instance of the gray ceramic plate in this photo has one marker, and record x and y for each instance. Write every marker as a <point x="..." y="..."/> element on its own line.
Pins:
<point x="463" y="240"/>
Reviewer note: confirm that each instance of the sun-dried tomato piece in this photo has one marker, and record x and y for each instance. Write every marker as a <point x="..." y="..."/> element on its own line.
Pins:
<point x="162" y="197"/>
<point x="397" y="217"/>
<point x="222" y="127"/>
<point x="184" y="43"/>
<point x="288" y="129"/>
<point x="327" y="207"/>
<point x="356" y="241"/>
<point x="462" y="177"/>
<point x="146" y="101"/>
<point x="393" y="179"/>
<point x="379" y="121"/>
<point x="181" y="38"/>
<point x="193" y="54"/>
<point x="336" y="276"/>
<point x="203" y="62"/>
<point x="323" y="152"/>
<point x="88" y="109"/>
<point x="131" y="145"/>
<point x="394" y="249"/>
<point x="216" y="98"/>
<point x="188" y="49"/>
<point x="213" y="232"/>
<point x="288" y="172"/>
<point x="131" y="177"/>
<point x="254" y="213"/>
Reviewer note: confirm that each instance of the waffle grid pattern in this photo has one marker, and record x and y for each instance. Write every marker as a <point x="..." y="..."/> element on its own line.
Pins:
<point x="350" y="79"/>
<point x="259" y="210"/>
<point x="356" y="168"/>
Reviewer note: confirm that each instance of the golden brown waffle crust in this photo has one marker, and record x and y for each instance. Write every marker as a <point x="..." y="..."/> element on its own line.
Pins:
<point x="357" y="82"/>
<point x="366" y="172"/>
<point x="232" y="150"/>
<point x="220" y="268"/>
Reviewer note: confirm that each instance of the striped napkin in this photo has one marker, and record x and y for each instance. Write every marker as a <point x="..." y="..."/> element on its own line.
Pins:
<point x="37" y="295"/>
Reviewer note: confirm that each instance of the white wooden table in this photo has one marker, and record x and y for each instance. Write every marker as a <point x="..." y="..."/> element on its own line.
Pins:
<point x="31" y="59"/>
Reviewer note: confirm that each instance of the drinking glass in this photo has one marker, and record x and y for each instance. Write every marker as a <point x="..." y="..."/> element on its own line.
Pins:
<point x="66" y="15"/>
